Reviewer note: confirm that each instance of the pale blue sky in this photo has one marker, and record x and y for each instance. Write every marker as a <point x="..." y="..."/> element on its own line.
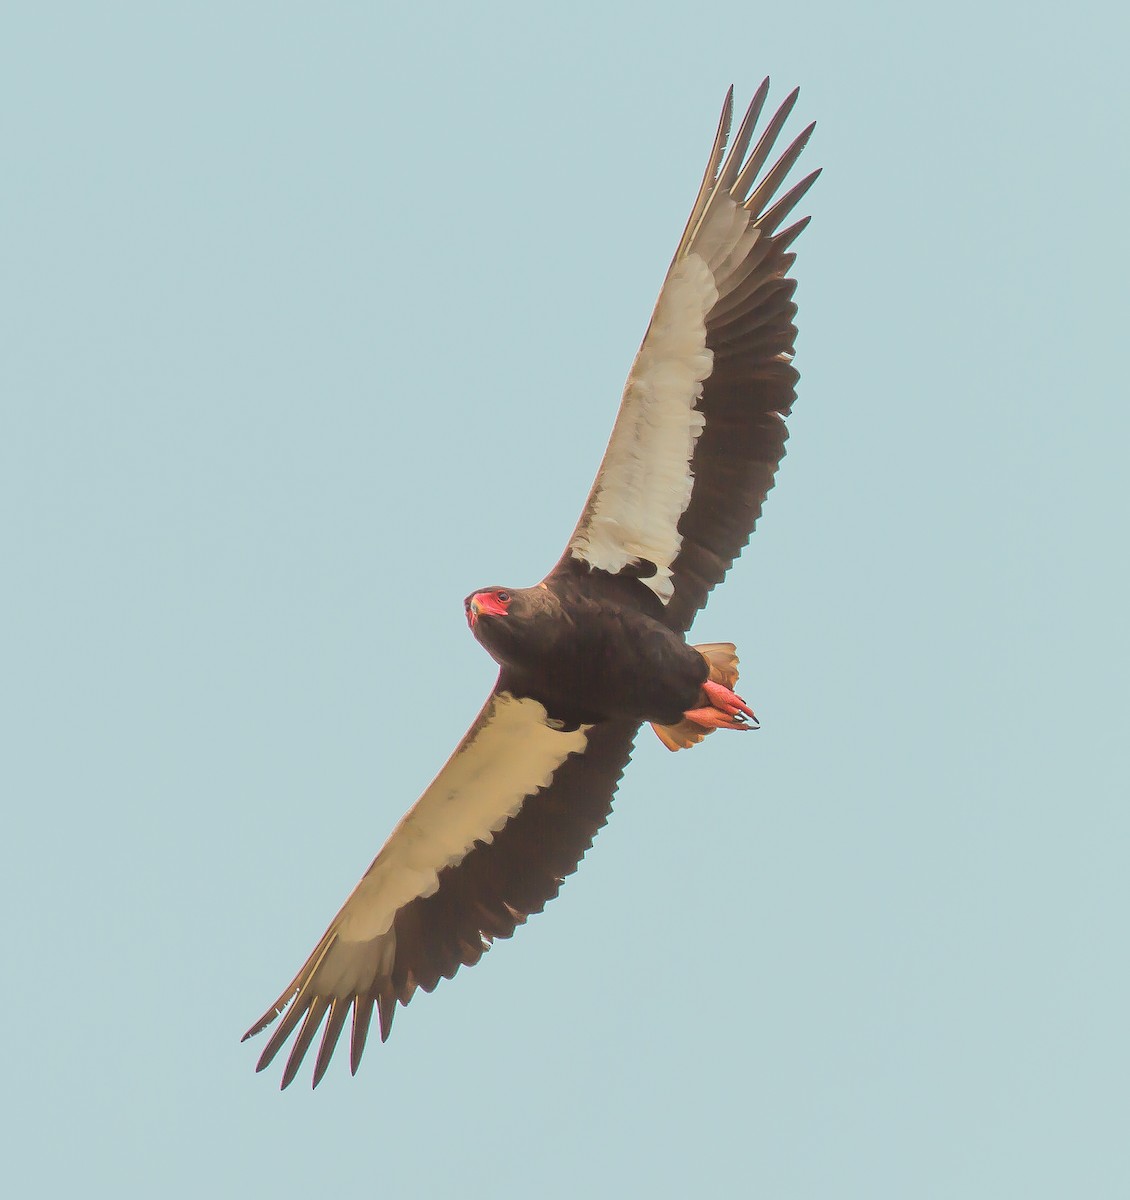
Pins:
<point x="316" y="317"/>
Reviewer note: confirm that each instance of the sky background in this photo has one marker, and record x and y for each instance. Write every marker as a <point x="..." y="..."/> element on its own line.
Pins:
<point x="314" y="317"/>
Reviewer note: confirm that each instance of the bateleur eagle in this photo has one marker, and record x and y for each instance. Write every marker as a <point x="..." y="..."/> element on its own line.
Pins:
<point x="597" y="648"/>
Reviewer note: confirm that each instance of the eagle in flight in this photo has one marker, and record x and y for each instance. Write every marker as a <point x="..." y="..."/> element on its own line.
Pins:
<point x="598" y="648"/>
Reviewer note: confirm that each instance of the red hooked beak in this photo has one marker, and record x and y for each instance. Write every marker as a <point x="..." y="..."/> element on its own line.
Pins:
<point x="491" y="604"/>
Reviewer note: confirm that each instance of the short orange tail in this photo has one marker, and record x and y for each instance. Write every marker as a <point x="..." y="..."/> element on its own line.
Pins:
<point x="723" y="663"/>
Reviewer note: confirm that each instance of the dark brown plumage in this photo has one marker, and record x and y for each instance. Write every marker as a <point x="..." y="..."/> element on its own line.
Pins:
<point x="592" y="647"/>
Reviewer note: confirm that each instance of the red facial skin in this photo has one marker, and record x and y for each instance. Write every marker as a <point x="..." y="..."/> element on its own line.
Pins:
<point x="494" y="604"/>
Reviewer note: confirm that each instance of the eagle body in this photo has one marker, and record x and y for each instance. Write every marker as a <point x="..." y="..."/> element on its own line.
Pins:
<point x="599" y="646"/>
<point x="587" y="653"/>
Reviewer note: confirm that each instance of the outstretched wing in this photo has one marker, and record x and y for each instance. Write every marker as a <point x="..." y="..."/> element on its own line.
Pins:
<point x="490" y="841"/>
<point x="701" y="429"/>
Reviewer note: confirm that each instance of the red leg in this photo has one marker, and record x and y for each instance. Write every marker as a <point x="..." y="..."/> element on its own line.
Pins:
<point x="728" y="710"/>
<point x="729" y="702"/>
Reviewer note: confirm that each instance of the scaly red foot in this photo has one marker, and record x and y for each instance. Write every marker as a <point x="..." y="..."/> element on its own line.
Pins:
<point x="727" y="709"/>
